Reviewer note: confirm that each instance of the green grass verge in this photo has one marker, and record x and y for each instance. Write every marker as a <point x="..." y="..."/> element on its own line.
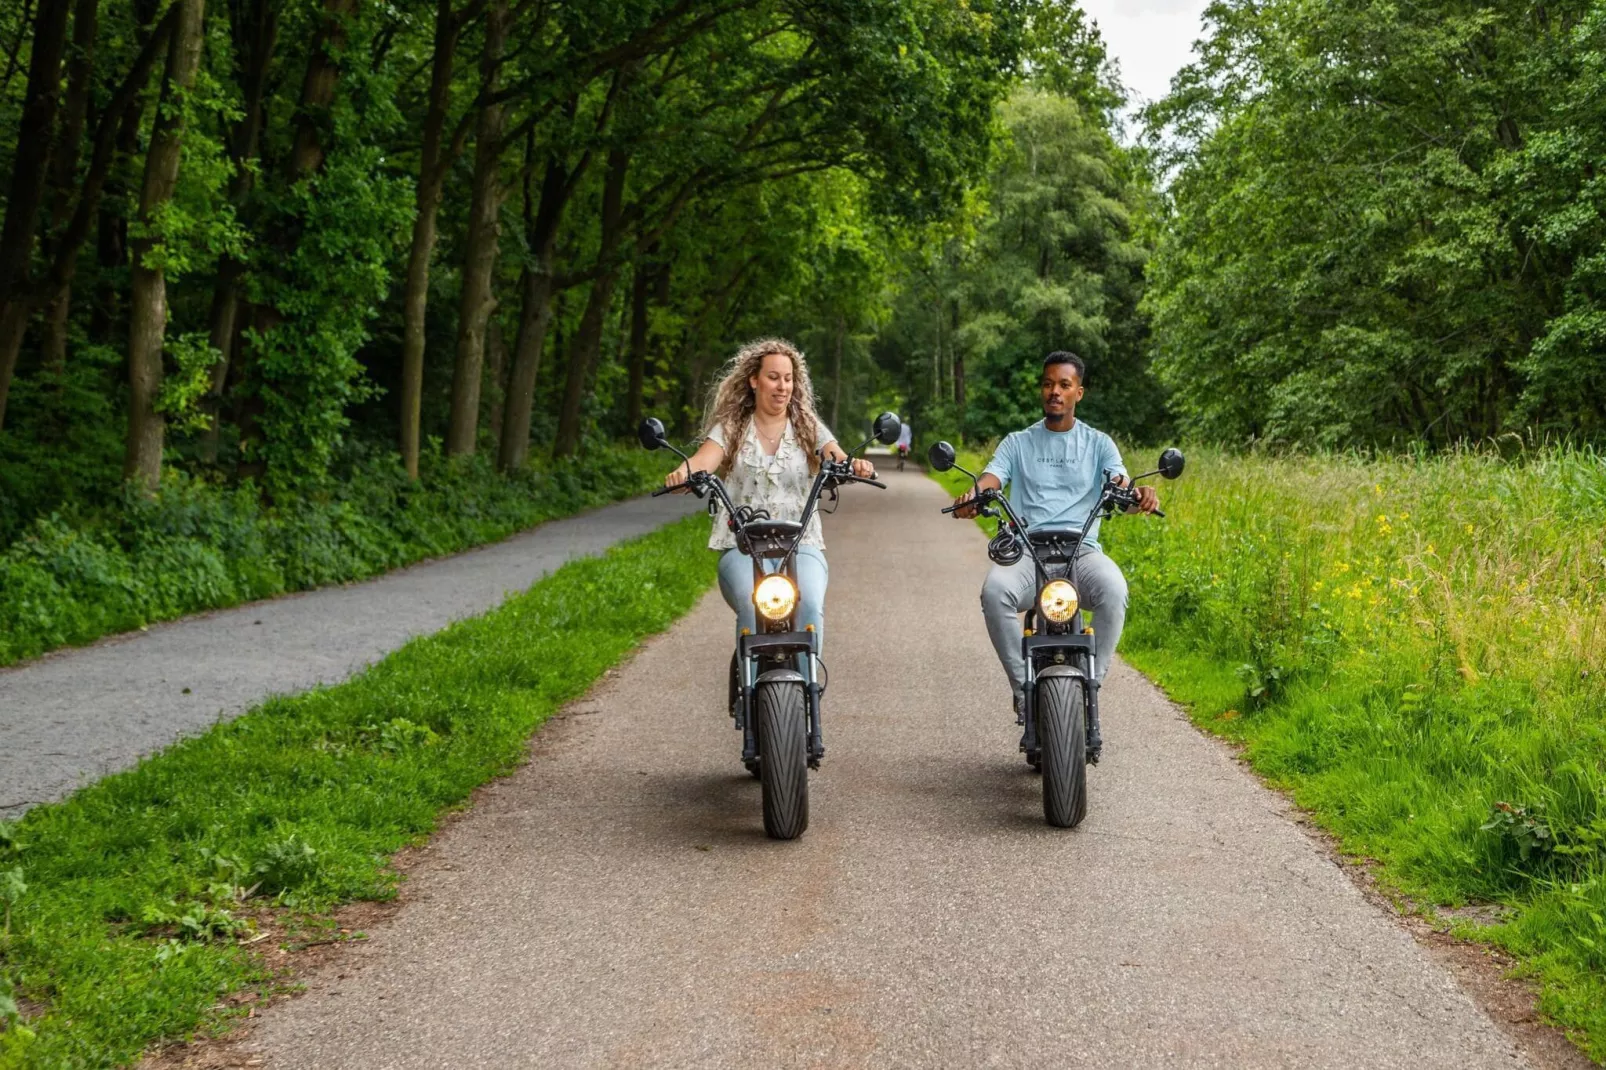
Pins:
<point x="128" y="929"/>
<point x="1414" y="649"/>
<point x="74" y="576"/>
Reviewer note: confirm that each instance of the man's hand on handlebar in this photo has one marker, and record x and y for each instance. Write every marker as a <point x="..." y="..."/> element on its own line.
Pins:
<point x="963" y="511"/>
<point x="988" y="481"/>
<point x="1148" y="499"/>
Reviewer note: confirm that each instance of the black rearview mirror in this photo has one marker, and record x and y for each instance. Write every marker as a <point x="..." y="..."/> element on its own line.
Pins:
<point x="1171" y="462"/>
<point x="651" y="433"/>
<point x="887" y="428"/>
<point x="942" y="456"/>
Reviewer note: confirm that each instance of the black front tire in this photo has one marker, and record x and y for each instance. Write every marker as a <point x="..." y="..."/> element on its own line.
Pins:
<point x="1062" y="733"/>
<point x="782" y="711"/>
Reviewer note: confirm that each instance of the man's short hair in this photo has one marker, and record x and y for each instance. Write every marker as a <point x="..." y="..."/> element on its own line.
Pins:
<point x="1065" y="356"/>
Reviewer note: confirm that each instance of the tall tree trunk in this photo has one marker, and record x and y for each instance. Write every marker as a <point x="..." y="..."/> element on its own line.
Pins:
<point x="537" y="284"/>
<point x="640" y="295"/>
<point x="496" y="375"/>
<point x="535" y="316"/>
<point x="111" y="244"/>
<point x="431" y="176"/>
<point x="588" y="338"/>
<point x="148" y="296"/>
<point x="477" y="298"/>
<point x="256" y="33"/>
<point x="111" y="241"/>
<point x="535" y="312"/>
<point x="80" y="68"/>
<point x="28" y="174"/>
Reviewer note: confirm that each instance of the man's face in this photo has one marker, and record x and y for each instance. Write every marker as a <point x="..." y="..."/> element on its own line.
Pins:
<point x="1061" y="390"/>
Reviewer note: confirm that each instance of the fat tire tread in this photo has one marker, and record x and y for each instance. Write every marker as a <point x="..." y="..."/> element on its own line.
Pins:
<point x="1062" y="735"/>
<point x="783" y="758"/>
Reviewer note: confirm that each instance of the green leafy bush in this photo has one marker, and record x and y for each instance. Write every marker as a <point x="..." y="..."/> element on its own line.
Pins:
<point x="195" y="546"/>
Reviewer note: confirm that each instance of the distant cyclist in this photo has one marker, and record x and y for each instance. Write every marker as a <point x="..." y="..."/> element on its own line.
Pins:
<point x="906" y="437"/>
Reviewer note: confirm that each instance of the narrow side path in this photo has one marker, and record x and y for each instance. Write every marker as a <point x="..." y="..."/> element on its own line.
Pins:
<point x="615" y="903"/>
<point x="74" y="716"/>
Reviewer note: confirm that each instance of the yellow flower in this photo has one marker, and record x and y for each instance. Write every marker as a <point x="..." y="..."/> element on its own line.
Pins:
<point x="1469" y="529"/>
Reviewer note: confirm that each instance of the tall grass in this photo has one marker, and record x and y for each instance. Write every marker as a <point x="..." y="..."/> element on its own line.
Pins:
<point x="1416" y="650"/>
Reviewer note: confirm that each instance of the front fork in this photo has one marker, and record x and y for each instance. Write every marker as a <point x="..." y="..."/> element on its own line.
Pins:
<point x="745" y="672"/>
<point x="1026" y="716"/>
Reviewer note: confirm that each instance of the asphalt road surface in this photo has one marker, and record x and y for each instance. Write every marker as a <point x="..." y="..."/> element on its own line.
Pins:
<point x="74" y="716"/>
<point x="615" y="903"/>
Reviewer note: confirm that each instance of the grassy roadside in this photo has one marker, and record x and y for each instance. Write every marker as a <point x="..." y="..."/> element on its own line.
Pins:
<point x="1416" y="651"/>
<point x="71" y="578"/>
<point x="134" y="917"/>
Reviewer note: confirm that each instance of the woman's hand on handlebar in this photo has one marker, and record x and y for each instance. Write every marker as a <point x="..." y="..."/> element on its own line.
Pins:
<point x="676" y="478"/>
<point x="863" y="468"/>
<point x="706" y="459"/>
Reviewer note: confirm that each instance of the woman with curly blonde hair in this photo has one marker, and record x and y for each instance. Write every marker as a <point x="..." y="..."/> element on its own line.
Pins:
<point x="764" y="439"/>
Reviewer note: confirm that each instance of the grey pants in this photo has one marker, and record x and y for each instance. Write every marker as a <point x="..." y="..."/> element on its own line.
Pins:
<point x="1010" y="590"/>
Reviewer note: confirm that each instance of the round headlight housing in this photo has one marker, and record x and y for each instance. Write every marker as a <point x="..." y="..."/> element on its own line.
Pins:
<point x="1057" y="601"/>
<point x="775" y="596"/>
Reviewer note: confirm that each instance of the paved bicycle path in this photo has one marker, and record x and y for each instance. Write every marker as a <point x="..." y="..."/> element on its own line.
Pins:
<point x="615" y="903"/>
<point x="74" y="716"/>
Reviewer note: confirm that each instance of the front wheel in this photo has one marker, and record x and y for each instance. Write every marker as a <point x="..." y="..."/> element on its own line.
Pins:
<point x="1062" y="733"/>
<point x="783" y="771"/>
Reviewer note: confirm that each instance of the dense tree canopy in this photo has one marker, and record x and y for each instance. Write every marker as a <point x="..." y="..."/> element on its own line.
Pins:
<point x="1050" y="256"/>
<point x="264" y="241"/>
<point x="1387" y="223"/>
<point x="250" y="237"/>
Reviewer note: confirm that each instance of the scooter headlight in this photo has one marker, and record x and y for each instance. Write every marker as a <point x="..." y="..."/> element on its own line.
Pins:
<point x="1057" y="601"/>
<point x="775" y="596"/>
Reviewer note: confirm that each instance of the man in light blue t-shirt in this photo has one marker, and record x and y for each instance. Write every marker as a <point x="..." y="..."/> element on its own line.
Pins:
<point x="1055" y="471"/>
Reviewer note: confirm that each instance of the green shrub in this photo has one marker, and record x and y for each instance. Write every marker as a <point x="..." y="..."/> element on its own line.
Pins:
<point x="195" y="546"/>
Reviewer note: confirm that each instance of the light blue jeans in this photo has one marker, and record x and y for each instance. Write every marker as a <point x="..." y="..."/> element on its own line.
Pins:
<point x="736" y="584"/>
<point x="1010" y="591"/>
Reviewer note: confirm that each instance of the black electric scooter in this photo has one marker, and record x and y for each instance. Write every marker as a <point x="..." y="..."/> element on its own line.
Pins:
<point x="776" y="676"/>
<point x="1060" y="701"/>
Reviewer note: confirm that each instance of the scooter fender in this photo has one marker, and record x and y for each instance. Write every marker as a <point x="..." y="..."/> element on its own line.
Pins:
<point x="1060" y="670"/>
<point x="780" y="676"/>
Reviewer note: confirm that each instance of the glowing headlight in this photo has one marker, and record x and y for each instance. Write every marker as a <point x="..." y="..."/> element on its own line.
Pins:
<point x="1057" y="601"/>
<point x="775" y="596"/>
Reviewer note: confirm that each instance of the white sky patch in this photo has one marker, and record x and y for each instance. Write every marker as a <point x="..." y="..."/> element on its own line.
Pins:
<point x="1150" y="39"/>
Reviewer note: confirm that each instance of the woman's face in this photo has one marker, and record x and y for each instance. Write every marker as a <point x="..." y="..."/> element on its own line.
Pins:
<point x="772" y="386"/>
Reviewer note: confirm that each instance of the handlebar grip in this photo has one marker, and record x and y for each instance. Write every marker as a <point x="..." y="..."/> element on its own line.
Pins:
<point x="872" y="482"/>
<point x="664" y="490"/>
<point x="1160" y="513"/>
<point x="953" y="508"/>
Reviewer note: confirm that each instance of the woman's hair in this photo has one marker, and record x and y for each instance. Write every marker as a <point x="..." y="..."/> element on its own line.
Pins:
<point x="731" y="404"/>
